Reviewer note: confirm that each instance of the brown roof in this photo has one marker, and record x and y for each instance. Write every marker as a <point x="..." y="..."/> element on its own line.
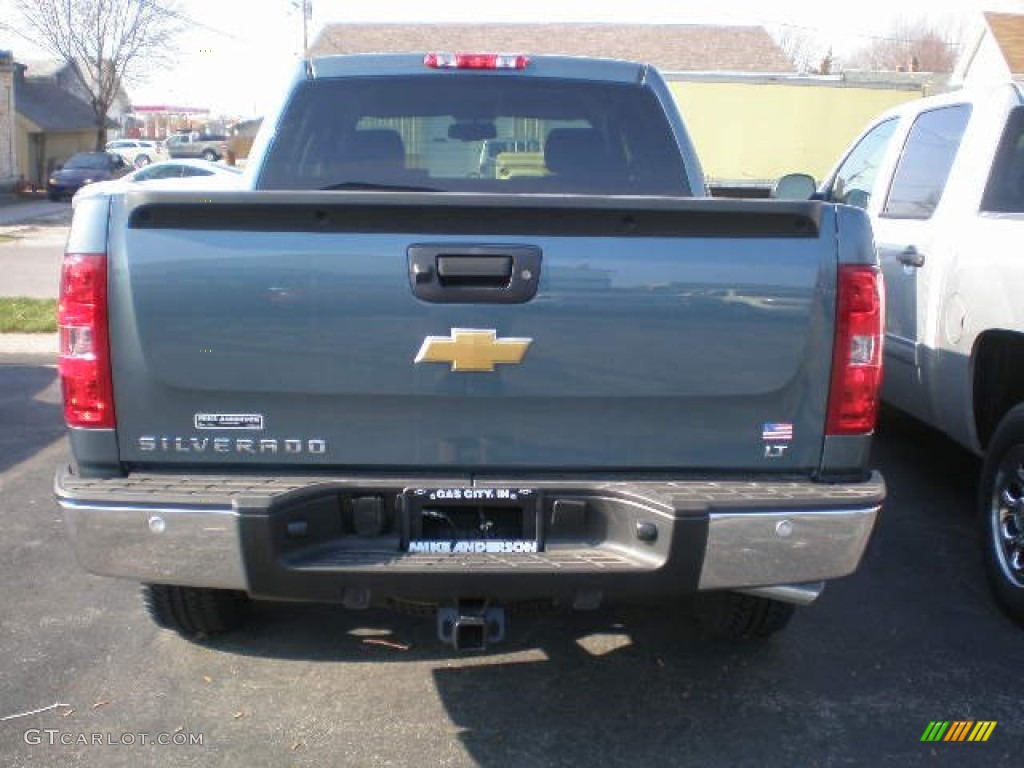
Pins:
<point x="1008" y="30"/>
<point x="670" y="47"/>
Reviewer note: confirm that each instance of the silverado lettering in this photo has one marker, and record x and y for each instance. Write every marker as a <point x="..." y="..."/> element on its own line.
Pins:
<point x="239" y="445"/>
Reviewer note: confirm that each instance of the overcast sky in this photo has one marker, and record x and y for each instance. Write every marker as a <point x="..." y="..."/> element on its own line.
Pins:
<point x="237" y="53"/>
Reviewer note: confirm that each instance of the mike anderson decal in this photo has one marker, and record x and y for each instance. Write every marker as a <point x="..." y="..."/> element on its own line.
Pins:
<point x="488" y="547"/>
<point x="219" y="421"/>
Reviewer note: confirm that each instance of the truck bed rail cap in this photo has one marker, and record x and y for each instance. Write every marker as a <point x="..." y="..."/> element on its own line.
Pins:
<point x="566" y="67"/>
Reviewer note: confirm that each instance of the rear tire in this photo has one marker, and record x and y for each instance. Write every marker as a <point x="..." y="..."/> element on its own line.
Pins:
<point x="142" y="161"/>
<point x="1001" y="513"/>
<point x="192" y="611"/>
<point x="735" y="616"/>
<point x="210" y="155"/>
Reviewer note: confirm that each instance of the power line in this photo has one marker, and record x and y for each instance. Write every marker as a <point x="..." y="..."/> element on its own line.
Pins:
<point x="194" y="22"/>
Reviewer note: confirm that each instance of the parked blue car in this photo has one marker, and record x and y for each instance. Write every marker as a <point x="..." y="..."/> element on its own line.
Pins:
<point x="85" y="168"/>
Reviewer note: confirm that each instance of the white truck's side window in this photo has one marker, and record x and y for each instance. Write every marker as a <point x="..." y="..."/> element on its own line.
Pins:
<point x="856" y="176"/>
<point x="1005" y="190"/>
<point x="925" y="162"/>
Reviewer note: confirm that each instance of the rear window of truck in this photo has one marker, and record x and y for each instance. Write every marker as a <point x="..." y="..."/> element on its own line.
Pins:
<point x="472" y="133"/>
<point x="925" y="163"/>
<point x="1005" y="190"/>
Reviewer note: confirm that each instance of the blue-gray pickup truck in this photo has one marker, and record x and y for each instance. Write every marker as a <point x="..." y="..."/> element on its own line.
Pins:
<point x="376" y="376"/>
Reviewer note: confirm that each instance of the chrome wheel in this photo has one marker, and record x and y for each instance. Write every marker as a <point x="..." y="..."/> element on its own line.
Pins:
<point x="1007" y="516"/>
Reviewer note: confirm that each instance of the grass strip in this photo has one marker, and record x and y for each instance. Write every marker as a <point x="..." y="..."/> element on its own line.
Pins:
<point x="24" y="315"/>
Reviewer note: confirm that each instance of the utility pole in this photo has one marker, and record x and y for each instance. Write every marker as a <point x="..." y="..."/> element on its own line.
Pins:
<point x="305" y="7"/>
<point x="307" y="12"/>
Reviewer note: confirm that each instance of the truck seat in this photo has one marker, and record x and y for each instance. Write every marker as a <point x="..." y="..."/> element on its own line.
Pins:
<point x="582" y="155"/>
<point x="381" y="146"/>
<point x="366" y="155"/>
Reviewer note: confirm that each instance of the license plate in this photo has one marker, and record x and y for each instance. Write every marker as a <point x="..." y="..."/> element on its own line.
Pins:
<point x="472" y="521"/>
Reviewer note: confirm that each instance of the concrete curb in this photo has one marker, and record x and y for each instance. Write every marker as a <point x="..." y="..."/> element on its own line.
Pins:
<point x="22" y="229"/>
<point x="28" y="345"/>
<point x="22" y="213"/>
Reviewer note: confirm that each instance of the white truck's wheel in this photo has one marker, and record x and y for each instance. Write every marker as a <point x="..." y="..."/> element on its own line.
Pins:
<point x="1001" y="509"/>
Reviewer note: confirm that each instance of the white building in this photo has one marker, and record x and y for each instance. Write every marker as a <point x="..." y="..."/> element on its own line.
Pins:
<point x="996" y="55"/>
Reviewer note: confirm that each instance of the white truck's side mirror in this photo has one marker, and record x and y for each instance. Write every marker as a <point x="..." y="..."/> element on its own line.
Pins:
<point x="794" y="186"/>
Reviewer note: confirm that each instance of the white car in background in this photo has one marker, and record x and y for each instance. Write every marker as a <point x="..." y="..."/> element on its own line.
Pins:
<point x="201" y="171"/>
<point x="138" y="152"/>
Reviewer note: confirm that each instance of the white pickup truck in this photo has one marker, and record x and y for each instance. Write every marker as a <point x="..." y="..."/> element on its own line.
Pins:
<point x="943" y="181"/>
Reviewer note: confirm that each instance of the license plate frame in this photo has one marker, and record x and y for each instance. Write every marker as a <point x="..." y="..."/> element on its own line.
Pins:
<point x="466" y="520"/>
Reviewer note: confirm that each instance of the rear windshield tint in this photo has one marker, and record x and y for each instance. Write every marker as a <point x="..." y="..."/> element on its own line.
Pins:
<point x="1005" y="190"/>
<point x="475" y="133"/>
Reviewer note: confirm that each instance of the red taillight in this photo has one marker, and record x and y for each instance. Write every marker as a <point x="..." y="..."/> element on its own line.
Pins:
<point x="475" y="61"/>
<point x="84" y="356"/>
<point x="857" y="356"/>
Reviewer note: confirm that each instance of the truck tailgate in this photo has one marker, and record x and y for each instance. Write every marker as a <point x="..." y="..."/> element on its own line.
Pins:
<point x="282" y="328"/>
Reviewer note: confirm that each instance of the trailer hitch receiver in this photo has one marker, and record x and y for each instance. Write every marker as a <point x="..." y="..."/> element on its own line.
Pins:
<point x="471" y="626"/>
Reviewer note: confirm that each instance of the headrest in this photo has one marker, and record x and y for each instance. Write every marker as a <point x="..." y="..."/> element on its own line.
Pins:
<point x="378" y="145"/>
<point x="574" y="151"/>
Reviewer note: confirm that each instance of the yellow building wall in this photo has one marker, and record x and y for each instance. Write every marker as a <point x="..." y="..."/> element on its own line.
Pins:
<point x="760" y="131"/>
<point x="61" y="146"/>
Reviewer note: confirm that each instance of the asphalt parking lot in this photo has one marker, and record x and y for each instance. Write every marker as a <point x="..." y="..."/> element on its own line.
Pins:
<point x="912" y="638"/>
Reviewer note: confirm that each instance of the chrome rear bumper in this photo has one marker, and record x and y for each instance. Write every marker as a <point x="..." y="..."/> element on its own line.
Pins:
<point x="157" y="545"/>
<point x="783" y="552"/>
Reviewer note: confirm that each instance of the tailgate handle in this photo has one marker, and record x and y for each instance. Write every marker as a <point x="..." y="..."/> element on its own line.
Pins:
<point x="463" y="274"/>
<point x="474" y="270"/>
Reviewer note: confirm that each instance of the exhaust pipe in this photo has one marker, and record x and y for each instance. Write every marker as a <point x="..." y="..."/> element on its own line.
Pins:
<point x="798" y="594"/>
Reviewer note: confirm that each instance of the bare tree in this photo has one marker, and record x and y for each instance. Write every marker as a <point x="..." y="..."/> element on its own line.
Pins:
<point x="800" y="46"/>
<point x="105" y="42"/>
<point x="910" y="47"/>
<point x="808" y="52"/>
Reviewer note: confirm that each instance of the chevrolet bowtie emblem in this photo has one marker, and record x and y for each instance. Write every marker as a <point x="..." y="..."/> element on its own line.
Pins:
<point x="472" y="350"/>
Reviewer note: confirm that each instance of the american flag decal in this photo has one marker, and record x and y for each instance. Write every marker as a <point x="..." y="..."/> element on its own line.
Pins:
<point x="777" y="431"/>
